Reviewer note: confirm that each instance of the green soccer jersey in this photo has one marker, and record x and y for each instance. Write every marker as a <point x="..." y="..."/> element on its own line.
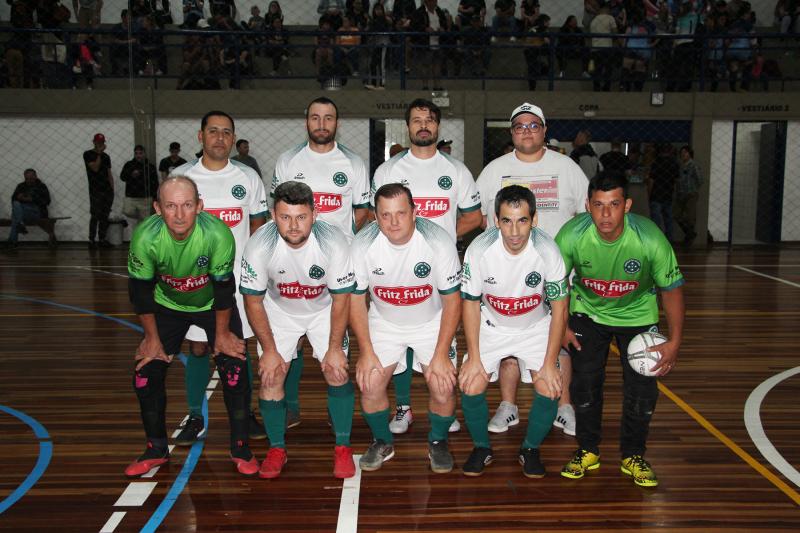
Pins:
<point x="183" y="270"/>
<point x="616" y="282"/>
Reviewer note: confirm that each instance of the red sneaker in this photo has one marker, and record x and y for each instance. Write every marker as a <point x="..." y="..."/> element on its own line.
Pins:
<point x="272" y="465"/>
<point x="245" y="467"/>
<point x="150" y="459"/>
<point x="343" y="465"/>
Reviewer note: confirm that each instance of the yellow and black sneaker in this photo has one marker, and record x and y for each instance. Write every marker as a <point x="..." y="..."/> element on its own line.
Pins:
<point x="582" y="461"/>
<point x="639" y="469"/>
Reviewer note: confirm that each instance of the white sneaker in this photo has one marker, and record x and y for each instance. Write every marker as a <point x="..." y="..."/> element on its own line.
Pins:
<point x="565" y="419"/>
<point x="507" y="415"/>
<point x="402" y="419"/>
<point x="455" y="427"/>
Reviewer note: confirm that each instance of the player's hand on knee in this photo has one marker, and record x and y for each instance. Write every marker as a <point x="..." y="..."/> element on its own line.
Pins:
<point x="669" y="356"/>
<point x="335" y="364"/>
<point x="368" y="371"/>
<point x="150" y="349"/>
<point x="548" y="381"/>
<point x="442" y="375"/>
<point x="471" y="375"/>
<point x="272" y="369"/>
<point x="229" y="344"/>
<point x="570" y="338"/>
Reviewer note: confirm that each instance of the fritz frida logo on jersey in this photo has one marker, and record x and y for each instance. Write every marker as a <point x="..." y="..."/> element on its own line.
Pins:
<point x="514" y="306"/>
<point x="187" y="284"/>
<point x="610" y="289"/>
<point x="403" y="296"/>
<point x="296" y="291"/>
<point x="231" y="216"/>
<point x="430" y="207"/>
<point x="327" y="202"/>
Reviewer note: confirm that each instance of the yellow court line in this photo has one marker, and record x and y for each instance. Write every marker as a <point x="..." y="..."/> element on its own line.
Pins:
<point x="54" y="315"/>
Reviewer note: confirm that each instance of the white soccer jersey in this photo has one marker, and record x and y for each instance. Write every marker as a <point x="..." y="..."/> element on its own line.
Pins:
<point x="439" y="185"/>
<point x="558" y="183"/>
<point x="405" y="282"/>
<point x="338" y="178"/>
<point x="299" y="281"/>
<point x="513" y="288"/>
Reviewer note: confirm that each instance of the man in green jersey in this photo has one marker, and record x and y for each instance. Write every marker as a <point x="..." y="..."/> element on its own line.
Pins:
<point x="180" y="268"/>
<point x="621" y="261"/>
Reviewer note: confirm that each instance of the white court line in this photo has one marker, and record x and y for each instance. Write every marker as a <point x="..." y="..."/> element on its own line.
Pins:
<point x="153" y="471"/>
<point x="790" y="283"/>
<point x="102" y="272"/>
<point x="752" y="421"/>
<point x="113" y="522"/>
<point x="136" y="494"/>
<point x="213" y="384"/>
<point x="348" y="507"/>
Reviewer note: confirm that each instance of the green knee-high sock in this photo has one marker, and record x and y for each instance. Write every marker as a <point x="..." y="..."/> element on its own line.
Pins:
<point x="341" y="402"/>
<point x="274" y="414"/>
<point x="476" y="413"/>
<point x="402" y="381"/>
<point x="540" y="419"/>
<point x="196" y="380"/>
<point x="292" y="384"/>
<point x="378" y="423"/>
<point x="440" y="426"/>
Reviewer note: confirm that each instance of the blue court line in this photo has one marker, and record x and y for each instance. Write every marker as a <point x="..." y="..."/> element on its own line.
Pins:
<point x="45" y="454"/>
<point x="188" y="466"/>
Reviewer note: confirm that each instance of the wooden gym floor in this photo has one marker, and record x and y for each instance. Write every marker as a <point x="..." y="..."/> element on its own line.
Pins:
<point x="69" y="425"/>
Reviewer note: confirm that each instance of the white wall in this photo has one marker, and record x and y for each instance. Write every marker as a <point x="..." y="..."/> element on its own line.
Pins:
<point x="720" y="179"/>
<point x="745" y="184"/>
<point x="790" y="223"/>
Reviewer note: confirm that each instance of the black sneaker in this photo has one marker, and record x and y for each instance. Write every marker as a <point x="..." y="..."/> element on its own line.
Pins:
<point x="532" y="466"/>
<point x="477" y="460"/>
<point x="105" y="244"/>
<point x="22" y="229"/>
<point x="440" y="456"/>
<point x="256" y="429"/>
<point x="190" y="430"/>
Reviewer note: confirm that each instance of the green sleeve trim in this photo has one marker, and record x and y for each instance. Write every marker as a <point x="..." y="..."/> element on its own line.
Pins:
<point x="361" y="206"/>
<point x="344" y="290"/>
<point x="675" y="285"/>
<point x="251" y="292"/>
<point x="262" y="214"/>
<point x="271" y="194"/>
<point x="452" y="290"/>
<point x="356" y="291"/>
<point x="465" y="296"/>
<point x="468" y="209"/>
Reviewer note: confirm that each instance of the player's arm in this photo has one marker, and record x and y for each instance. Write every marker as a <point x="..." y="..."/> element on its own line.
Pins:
<point x="471" y="323"/>
<point x="558" y="325"/>
<point x="442" y="370"/>
<point x="335" y="358"/>
<point x="226" y="341"/>
<point x="256" y="223"/>
<point x="674" y="309"/>
<point x="368" y="362"/>
<point x="468" y="221"/>
<point x="110" y="178"/>
<point x="141" y="296"/>
<point x="361" y="217"/>
<point x="271" y="366"/>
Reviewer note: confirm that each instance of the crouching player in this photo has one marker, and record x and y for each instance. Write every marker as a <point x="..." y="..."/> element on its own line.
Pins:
<point x="510" y="271"/>
<point x="180" y="268"/>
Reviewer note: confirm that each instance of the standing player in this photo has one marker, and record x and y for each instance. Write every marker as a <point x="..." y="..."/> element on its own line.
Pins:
<point x="410" y="267"/>
<point x="181" y="274"/>
<point x="559" y="186"/>
<point x="620" y="261"/>
<point x="232" y="192"/>
<point x="442" y="188"/>
<point x="509" y="271"/>
<point x="338" y="177"/>
<point x="297" y="279"/>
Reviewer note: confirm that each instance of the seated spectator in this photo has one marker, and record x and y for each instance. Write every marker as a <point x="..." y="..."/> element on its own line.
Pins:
<point x="451" y="52"/>
<point x="140" y="9"/>
<point x="20" y="63"/>
<point x="235" y="58"/>
<point x="86" y="65"/>
<point x="278" y="47"/>
<point x="637" y="53"/>
<point x="787" y="14"/>
<point x="141" y="183"/>
<point x="529" y="12"/>
<point x="477" y="50"/>
<point x="715" y="32"/>
<point x="348" y="41"/>
<point x="274" y="11"/>
<point x="739" y="53"/>
<point x="255" y="24"/>
<point x="358" y="11"/>
<point x="402" y="12"/>
<point x="192" y="13"/>
<point x="684" y="56"/>
<point x="87" y="12"/>
<point x="151" y="55"/>
<point x="224" y="8"/>
<point x="332" y="11"/>
<point x="28" y="205"/>
<point x="504" y="18"/>
<point x="332" y="70"/>
<point x="430" y="18"/>
<point x="603" y="49"/>
<point x="572" y="45"/>
<point x="537" y="50"/>
<point x="468" y="10"/>
<point x="199" y="65"/>
<point x="380" y="22"/>
<point x="119" y="49"/>
<point x="52" y="14"/>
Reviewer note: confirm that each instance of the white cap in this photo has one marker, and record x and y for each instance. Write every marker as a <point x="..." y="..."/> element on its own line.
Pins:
<point x="528" y="108"/>
<point x="553" y="142"/>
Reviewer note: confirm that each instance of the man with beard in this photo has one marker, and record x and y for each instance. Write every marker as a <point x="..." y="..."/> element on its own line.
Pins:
<point x="338" y="177"/>
<point x="442" y="187"/>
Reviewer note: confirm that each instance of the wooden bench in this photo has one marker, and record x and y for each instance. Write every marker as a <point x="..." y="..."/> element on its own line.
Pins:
<point x="47" y="224"/>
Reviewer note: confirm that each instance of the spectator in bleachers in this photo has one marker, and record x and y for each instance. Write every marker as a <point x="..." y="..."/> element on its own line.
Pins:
<point x="504" y="18"/>
<point x="151" y="56"/>
<point x="379" y="22"/>
<point x="358" y="11"/>
<point x="603" y="49"/>
<point x="19" y="49"/>
<point x="172" y="161"/>
<point x="529" y="12"/>
<point x="637" y="52"/>
<point x="787" y="13"/>
<point x="243" y="155"/>
<point x="274" y="11"/>
<point x="86" y="65"/>
<point x="255" y="25"/>
<point x="199" y="64"/>
<point x="29" y="204"/>
<point x="572" y="45"/>
<point x="616" y="8"/>
<point x="236" y="59"/>
<point x="139" y="10"/>
<point x="537" y="51"/>
<point x="277" y="46"/>
<point x="590" y="9"/>
<point x="332" y="11"/>
<point x="684" y="55"/>
<point x="477" y="50"/>
<point x="715" y="33"/>
<point x="689" y="183"/>
<point x="52" y="14"/>
<point x="739" y="53"/>
<point x="225" y="8"/>
<point x="332" y="70"/>
<point x="141" y="183"/>
<point x="451" y="51"/>
<point x="119" y="51"/>
<point x="663" y="173"/>
<point x="192" y="13"/>
<point x="468" y="10"/>
<point x="430" y="18"/>
<point x="402" y="12"/>
<point x="87" y="12"/>
<point x="583" y="153"/>
<point x="348" y="41"/>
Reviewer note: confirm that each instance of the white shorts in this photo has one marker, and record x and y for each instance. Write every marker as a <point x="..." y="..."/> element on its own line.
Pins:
<point x="529" y="346"/>
<point x="390" y="342"/>
<point x="198" y="335"/>
<point x="288" y="329"/>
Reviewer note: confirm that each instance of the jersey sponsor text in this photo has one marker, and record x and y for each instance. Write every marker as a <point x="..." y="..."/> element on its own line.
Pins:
<point x="404" y="296"/>
<point x="296" y="291"/>
<point x="327" y="202"/>
<point x="510" y="306"/>
<point x="610" y="289"/>
<point x="231" y="216"/>
<point x="187" y="284"/>
<point x="429" y="207"/>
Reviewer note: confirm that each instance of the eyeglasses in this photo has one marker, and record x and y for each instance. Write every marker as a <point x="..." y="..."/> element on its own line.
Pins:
<point x="534" y="127"/>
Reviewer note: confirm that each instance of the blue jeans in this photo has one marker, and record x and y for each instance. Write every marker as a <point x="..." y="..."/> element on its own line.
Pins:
<point x="22" y="214"/>
<point x="661" y="213"/>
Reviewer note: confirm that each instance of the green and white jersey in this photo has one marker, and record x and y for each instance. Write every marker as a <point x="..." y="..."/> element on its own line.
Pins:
<point x="513" y="288"/>
<point x="338" y="178"/>
<point x="615" y="282"/>
<point x="183" y="270"/>
<point x="406" y="281"/>
<point x="298" y="281"/>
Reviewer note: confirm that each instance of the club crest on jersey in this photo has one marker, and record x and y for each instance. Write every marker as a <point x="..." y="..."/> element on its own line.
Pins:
<point x="326" y="202"/>
<point x="445" y="182"/>
<point x="231" y="216"/>
<point x="238" y="192"/>
<point x="340" y="179"/>
<point x="514" y="306"/>
<point x="296" y="291"/>
<point x="345" y="342"/>
<point x="452" y="352"/>
<point x="610" y="289"/>
<point x="632" y="266"/>
<point x="422" y="269"/>
<point x="202" y="261"/>
<point x="316" y="272"/>
<point x="533" y="279"/>
<point x="403" y="296"/>
<point x="429" y="207"/>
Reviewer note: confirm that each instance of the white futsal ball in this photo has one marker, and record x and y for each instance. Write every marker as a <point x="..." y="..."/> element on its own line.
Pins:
<point x="641" y="360"/>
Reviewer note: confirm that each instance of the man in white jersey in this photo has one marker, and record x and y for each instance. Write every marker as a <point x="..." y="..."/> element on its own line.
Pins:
<point x="509" y="272"/>
<point x="339" y="179"/>
<point x="442" y="187"/>
<point x="234" y="193"/>
<point x="559" y="186"/>
<point x="296" y="279"/>
<point x="410" y="267"/>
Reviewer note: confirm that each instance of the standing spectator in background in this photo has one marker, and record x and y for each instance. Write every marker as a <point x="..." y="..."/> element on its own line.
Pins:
<point x="28" y="205"/>
<point x="684" y="55"/>
<point x="402" y="11"/>
<point x="87" y="55"/>
<point x="590" y="9"/>
<point x="429" y="17"/>
<point x="120" y="40"/>
<point x="537" y="51"/>
<point x="152" y="54"/>
<point x="637" y="53"/>
<point x="332" y="11"/>
<point x="277" y="46"/>
<point x="477" y="49"/>
<point x="225" y="8"/>
<point x="468" y="10"/>
<point x="614" y="160"/>
<point x="689" y="183"/>
<point x="529" y="12"/>
<point x="348" y="42"/>
<point x="504" y="18"/>
<point x="141" y="184"/>
<point x="87" y="12"/>
<point x="380" y="22"/>
<point x="358" y="11"/>
<point x="192" y="13"/>
<point x="243" y="155"/>
<point x="603" y="49"/>
<point x="663" y="173"/>
<point x="584" y="154"/>
<point x="101" y="190"/>
<point x="274" y="11"/>
<point x="172" y="161"/>
<point x="571" y="46"/>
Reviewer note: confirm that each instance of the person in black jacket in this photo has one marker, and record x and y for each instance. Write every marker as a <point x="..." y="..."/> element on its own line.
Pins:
<point x="28" y="205"/>
<point x="141" y="182"/>
<point x="429" y="17"/>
